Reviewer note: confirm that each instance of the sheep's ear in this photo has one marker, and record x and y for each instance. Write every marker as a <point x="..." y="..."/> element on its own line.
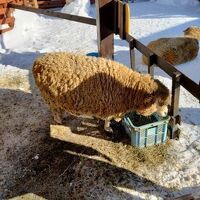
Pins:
<point x="169" y="100"/>
<point x="161" y="90"/>
<point x="149" y="99"/>
<point x="186" y="30"/>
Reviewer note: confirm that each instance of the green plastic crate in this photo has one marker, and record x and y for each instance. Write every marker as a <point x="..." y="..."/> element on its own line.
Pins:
<point x="146" y="135"/>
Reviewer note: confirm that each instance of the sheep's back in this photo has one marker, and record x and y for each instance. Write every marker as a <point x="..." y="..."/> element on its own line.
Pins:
<point x="71" y="69"/>
<point x="83" y="85"/>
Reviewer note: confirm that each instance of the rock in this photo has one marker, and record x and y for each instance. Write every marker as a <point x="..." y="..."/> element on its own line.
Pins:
<point x="174" y="50"/>
<point x="192" y="31"/>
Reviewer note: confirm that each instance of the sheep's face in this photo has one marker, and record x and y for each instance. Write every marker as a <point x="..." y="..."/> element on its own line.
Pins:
<point x="148" y="110"/>
<point x="163" y="99"/>
<point x="160" y="109"/>
<point x="157" y="102"/>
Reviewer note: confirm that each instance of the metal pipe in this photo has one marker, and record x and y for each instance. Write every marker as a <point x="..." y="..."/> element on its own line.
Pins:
<point x="85" y="20"/>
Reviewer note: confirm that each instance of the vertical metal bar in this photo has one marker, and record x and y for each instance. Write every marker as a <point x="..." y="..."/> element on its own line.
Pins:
<point x="151" y="70"/>
<point x="132" y="53"/>
<point x="174" y="112"/>
<point x="151" y="62"/>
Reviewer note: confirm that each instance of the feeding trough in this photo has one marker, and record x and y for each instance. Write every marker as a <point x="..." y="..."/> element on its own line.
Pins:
<point x="146" y="131"/>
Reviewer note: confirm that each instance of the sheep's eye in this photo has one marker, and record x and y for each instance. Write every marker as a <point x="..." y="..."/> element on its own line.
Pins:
<point x="161" y="103"/>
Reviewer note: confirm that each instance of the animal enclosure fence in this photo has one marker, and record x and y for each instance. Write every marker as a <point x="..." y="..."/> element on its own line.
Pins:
<point x="111" y="18"/>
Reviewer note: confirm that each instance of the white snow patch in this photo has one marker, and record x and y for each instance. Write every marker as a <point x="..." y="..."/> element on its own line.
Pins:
<point x="80" y="7"/>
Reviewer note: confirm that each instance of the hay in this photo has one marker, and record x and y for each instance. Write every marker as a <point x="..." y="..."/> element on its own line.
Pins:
<point x="114" y="148"/>
<point x="139" y="158"/>
<point x="152" y="156"/>
<point x="15" y="81"/>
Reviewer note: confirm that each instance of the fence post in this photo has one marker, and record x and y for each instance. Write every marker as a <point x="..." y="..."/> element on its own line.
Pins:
<point x="174" y="112"/>
<point x="105" y="20"/>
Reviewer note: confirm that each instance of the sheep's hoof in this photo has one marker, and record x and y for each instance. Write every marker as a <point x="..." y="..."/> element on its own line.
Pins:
<point x="118" y="119"/>
<point x="58" y="120"/>
<point x="108" y="129"/>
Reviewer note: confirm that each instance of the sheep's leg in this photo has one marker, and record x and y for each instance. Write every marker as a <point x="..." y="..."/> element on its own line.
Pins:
<point x="107" y="126"/>
<point x="57" y="115"/>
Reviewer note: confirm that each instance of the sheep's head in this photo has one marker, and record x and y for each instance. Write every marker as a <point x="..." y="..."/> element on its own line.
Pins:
<point x="156" y="102"/>
<point x="162" y="98"/>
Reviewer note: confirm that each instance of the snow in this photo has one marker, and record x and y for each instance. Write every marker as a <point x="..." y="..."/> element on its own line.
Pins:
<point x="178" y="2"/>
<point x="34" y="35"/>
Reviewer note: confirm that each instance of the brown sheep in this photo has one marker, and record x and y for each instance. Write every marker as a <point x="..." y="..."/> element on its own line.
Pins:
<point x="193" y="32"/>
<point x="174" y="50"/>
<point x="97" y="87"/>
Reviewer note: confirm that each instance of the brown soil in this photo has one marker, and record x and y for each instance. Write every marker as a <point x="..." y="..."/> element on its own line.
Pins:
<point x="76" y="160"/>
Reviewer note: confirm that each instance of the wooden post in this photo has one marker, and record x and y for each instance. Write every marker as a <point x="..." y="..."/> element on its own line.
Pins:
<point x="106" y="25"/>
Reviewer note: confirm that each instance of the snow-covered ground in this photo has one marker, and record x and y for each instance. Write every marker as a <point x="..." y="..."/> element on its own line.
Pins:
<point x="34" y="35"/>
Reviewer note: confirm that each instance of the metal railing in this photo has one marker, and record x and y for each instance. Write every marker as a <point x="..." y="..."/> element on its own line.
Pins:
<point x="178" y="79"/>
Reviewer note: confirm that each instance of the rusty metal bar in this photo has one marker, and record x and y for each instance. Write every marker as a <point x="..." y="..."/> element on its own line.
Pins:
<point x="175" y="93"/>
<point x="174" y="111"/>
<point x="70" y="17"/>
<point x="132" y="53"/>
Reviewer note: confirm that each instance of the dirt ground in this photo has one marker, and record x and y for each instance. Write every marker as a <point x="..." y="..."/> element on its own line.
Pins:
<point x="76" y="160"/>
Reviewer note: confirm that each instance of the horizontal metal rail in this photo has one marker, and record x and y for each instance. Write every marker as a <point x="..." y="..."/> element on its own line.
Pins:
<point x="186" y="82"/>
<point x="85" y="20"/>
